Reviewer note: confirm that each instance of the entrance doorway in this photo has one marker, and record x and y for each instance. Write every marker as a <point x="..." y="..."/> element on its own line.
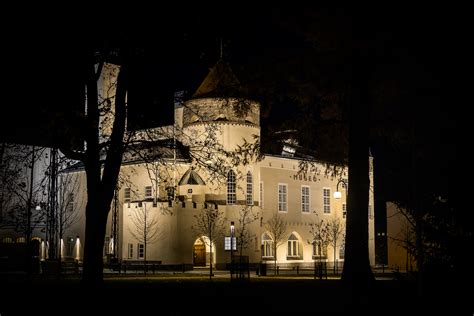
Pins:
<point x="199" y="255"/>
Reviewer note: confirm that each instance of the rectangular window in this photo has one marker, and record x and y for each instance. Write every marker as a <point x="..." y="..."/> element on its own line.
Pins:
<point x="148" y="192"/>
<point x="341" y="253"/>
<point x="261" y="194"/>
<point x="228" y="243"/>
<point x="141" y="251"/>
<point x="305" y="199"/>
<point x="231" y="188"/>
<point x="126" y="195"/>
<point x="282" y="197"/>
<point x="249" y="197"/>
<point x="344" y="210"/>
<point x="327" y="200"/>
<point x="130" y="251"/>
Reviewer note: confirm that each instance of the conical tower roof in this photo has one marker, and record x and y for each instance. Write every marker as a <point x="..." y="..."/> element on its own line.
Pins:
<point x="219" y="82"/>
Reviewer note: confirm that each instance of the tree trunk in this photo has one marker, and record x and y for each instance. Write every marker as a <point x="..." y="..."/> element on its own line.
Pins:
<point x="96" y="223"/>
<point x="275" y="256"/>
<point x="210" y="261"/>
<point x="356" y="269"/>
<point x="101" y="185"/>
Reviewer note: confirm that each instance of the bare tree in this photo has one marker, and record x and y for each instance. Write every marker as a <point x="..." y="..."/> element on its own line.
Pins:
<point x="276" y="228"/>
<point x="210" y="222"/>
<point x="10" y="170"/>
<point x="22" y="196"/>
<point x="319" y="231"/>
<point x="242" y="231"/>
<point x="144" y="228"/>
<point x="336" y="230"/>
<point x="68" y="204"/>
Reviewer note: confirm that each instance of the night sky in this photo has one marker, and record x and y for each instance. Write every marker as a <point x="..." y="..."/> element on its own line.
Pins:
<point x="177" y="48"/>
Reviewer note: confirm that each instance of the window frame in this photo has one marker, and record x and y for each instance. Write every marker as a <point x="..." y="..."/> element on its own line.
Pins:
<point x="308" y="202"/>
<point x="326" y="200"/>
<point x="283" y="198"/>
<point x="231" y="188"/>
<point x="249" y="192"/>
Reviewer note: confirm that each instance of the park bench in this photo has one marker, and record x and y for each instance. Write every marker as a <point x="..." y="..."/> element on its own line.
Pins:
<point x="140" y="265"/>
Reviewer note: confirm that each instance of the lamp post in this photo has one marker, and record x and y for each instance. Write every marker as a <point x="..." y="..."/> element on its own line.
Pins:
<point x="338" y="194"/>
<point x="231" y="249"/>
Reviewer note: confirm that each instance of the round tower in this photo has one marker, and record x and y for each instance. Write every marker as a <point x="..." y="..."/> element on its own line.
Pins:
<point x="218" y="107"/>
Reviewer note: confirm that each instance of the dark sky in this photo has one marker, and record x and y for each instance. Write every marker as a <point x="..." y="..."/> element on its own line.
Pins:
<point x="178" y="47"/>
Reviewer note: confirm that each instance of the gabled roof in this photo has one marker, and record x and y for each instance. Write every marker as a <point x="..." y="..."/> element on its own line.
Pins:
<point x="191" y="177"/>
<point x="219" y="82"/>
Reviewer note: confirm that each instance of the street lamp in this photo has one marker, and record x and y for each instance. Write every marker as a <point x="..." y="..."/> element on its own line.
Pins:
<point x="338" y="194"/>
<point x="231" y="249"/>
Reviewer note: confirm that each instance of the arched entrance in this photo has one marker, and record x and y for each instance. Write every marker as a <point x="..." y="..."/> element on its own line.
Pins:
<point x="201" y="252"/>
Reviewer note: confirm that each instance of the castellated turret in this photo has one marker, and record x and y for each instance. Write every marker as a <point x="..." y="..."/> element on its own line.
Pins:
<point x="218" y="103"/>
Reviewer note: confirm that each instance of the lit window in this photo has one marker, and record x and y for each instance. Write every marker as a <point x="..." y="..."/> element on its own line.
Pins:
<point x="305" y="199"/>
<point x="282" y="198"/>
<point x="231" y="190"/>
<point x="293" y="246"/>
<point x="327" y="200"/>
<point x="317" y="250"/>
<point x="267" y="245"/>
<point x="141" y="251"/>
<point x="249" y="189"/>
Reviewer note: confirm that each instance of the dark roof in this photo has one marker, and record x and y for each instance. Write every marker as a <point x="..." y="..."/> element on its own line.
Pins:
<point x="161" y="149"/>
<point x="191" y="177"/>
<point x="219" y="82"/>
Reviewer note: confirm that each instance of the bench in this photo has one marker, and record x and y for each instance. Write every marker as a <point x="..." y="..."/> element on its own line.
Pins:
<point x="140" y="265"/>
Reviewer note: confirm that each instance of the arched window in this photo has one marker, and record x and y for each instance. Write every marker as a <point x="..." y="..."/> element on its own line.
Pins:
<point x="341" y="252"/>
<point x="318" y="251"/>
<point x="231" y="191"/>
<point x="293" y="246"/>
<point x="267" y="245"/>
<point x="249" y="197"/>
